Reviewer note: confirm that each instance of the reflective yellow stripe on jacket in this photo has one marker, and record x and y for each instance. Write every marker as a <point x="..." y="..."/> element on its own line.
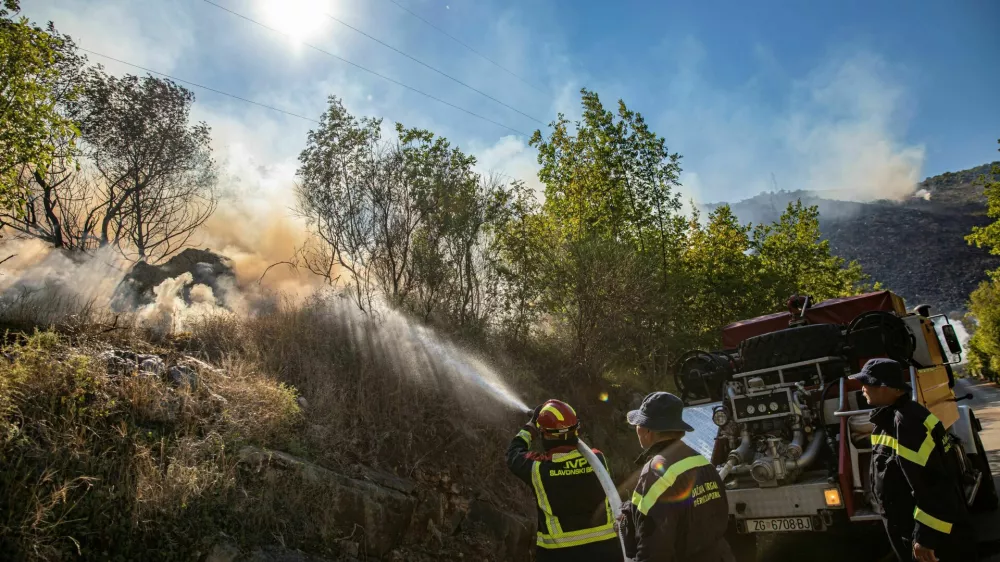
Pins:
<point x="931" y="521"/>
<point x="556" y="537"/>
<point x="551" y="521"/>
<point x="646" y="502"/>
<point x="526" y="435"/>
<point x="920" y="456"/>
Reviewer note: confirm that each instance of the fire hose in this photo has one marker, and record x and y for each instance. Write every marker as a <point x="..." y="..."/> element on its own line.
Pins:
<point x="609" y="486"/>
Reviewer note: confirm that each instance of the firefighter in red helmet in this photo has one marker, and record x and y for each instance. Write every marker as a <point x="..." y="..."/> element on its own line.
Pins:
<point x="575" y="522"/>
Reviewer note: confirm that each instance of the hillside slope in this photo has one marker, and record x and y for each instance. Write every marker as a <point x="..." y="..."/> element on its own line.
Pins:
<point x="915" y="247"/>
<point x="262" y="439"/>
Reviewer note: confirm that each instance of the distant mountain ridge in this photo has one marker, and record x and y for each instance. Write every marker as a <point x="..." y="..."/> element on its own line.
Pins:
<point x="915" y="247"/>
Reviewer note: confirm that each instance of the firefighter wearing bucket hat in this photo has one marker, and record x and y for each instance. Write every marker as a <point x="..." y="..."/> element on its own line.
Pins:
<point x="575" y="523"/>
<point x="679" y="511"/>
<point x="912" y="474"/>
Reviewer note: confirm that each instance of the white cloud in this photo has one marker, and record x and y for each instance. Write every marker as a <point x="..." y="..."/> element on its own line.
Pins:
<point x="147" y="33"/>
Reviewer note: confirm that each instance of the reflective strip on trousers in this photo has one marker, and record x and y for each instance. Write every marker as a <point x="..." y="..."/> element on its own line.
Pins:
<point x="666" y="480"/>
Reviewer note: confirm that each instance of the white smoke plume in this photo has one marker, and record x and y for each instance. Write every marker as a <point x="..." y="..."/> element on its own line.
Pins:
<point x="837" y="130"/>
<point x="169" y="313"/>
<point x="45" y="286"/>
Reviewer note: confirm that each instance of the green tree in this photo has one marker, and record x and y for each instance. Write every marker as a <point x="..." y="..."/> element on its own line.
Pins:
<point x="53" y="197"/>
<point x="609" y="175"/>
<point x="31" y="61"/>
<point x="724" y="280"/>
<point x="520" y="261"/>
<point x="613" y="227"/>
<point x="984" y="345"/>
<point x="984" y="303"/>
<point x="989" y="236"/>
<point x="407" y="219"/>
<point x="795" y="259"/>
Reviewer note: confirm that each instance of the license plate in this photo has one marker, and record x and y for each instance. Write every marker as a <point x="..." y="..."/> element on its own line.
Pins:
<point x="779" y="524"/>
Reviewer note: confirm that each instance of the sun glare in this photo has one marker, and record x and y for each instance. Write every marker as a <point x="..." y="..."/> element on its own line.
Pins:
<point x="299" y="19"/>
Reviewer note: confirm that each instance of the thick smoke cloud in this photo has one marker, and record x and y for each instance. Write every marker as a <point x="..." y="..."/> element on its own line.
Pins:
<point x="838" y="130"/>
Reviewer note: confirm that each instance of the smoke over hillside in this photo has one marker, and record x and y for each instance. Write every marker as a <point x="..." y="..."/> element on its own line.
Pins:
<point x="52" y="285"/>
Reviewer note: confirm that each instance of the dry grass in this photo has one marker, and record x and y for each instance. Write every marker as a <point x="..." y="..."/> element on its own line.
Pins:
<point x="104" y="467"/>
<point x="99" y="466"/>
<point x="362" y="410"/>
<point x="123" y="467"/>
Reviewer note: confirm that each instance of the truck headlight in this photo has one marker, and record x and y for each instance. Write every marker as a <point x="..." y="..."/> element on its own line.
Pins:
<point x="832" y="497"/>
<point x="720" y="416"/>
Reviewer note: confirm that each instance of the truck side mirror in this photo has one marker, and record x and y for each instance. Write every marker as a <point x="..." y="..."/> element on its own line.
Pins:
<point x="951" y="339"/>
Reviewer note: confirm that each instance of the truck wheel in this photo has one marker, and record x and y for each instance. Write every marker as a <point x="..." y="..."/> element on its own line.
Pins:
<point x="986" y="498"/>
<point x="801" y="343"/>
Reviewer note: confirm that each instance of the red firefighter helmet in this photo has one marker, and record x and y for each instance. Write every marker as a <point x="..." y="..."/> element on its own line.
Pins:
<point x="557" y="420"/>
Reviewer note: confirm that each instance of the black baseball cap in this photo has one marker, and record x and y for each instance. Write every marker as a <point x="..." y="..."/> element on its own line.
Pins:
<point x="883" y="372"/>
<point x="660" y="411"/>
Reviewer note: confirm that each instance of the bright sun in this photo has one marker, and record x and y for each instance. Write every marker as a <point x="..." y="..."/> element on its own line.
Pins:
<point x="299" y="19"/>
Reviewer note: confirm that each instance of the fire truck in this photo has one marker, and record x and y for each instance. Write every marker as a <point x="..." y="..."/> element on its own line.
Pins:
<point x="790" y="433"/>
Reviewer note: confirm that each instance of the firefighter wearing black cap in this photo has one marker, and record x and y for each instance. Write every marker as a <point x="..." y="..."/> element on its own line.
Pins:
<point x="679" y="511"/>
<point x="575" y="523"/>
<point x="914" y="478"/>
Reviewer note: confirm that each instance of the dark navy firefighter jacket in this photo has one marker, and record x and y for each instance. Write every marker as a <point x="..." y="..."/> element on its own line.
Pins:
<point x="574" y="516"/>
<point x="679" y="511"/>
<point x="916" y="482"/>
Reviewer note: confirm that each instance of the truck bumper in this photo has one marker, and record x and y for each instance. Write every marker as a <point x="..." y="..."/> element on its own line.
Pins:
<point x="801" y="499"/>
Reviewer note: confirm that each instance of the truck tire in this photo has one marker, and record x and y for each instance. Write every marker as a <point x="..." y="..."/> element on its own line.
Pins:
<point x="793" y="345"/>
<point x="986" y="499"/>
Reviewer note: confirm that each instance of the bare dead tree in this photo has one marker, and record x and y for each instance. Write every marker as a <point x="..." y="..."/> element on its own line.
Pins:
<point x="156" y="175"/>
<point x="159" y="220"/>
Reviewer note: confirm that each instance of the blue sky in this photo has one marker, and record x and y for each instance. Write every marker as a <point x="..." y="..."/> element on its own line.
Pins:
<point x="854" y="97"/>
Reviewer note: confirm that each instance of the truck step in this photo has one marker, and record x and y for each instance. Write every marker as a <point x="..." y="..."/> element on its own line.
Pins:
<point x="865" y="515"/>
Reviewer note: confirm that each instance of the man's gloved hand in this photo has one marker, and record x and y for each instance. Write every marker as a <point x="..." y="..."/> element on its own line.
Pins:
<point x="626" y="529"/>
<point x="534" y="415"/>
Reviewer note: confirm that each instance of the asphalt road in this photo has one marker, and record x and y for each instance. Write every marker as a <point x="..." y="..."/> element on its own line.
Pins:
<point x="867" y="543"/>
<point x="985" y="403"/>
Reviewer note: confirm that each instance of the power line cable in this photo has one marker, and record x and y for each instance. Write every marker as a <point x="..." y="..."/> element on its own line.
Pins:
<point x="422" y="63"/>
<point x="234" y="96"/>
<point x="368" y="70"/>
<point x="195" y="84"/>
<point x="460" y="42"/>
